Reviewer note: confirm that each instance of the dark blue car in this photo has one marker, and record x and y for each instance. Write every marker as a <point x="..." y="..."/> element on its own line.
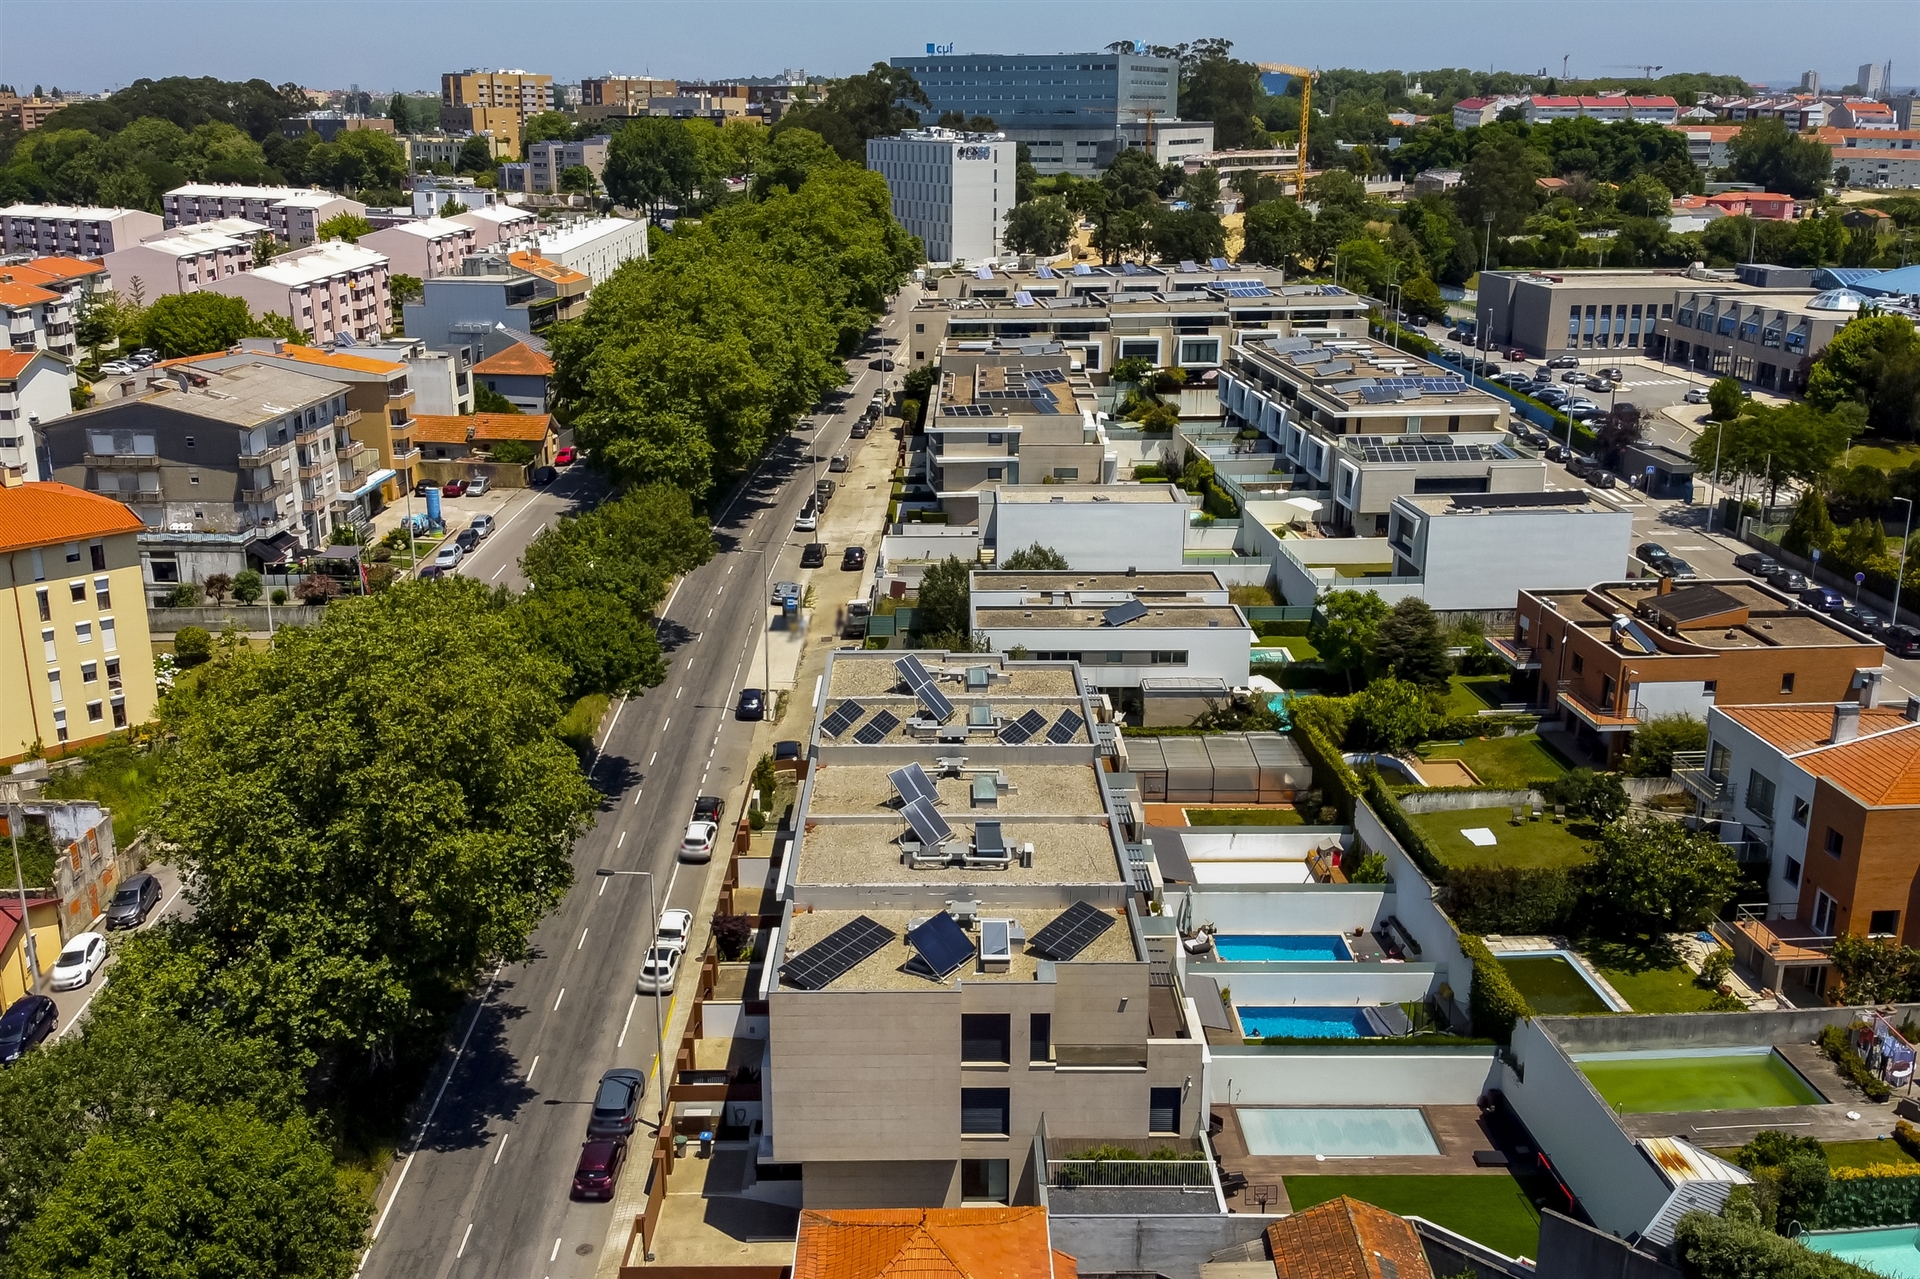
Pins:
<point x="1824" y="598"/>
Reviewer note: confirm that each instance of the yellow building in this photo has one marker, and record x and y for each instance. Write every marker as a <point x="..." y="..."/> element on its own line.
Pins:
<point x="500" y="124"/>
<point x="76" y="660"/>
<point x="16" y="976"/>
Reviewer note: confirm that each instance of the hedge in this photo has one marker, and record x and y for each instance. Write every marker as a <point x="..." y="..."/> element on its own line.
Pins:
<point x="1880" y="1195"/>
<point x="1339" y="784"/>
<point x="1492" y="1001"/>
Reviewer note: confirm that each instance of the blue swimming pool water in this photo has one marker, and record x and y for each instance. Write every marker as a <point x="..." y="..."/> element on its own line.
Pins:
<point x="1280" y="947"/>
<point x="1306" y="1023"/>
<point x="1893" y="1251"/>
<point x="1336" y="1132"/>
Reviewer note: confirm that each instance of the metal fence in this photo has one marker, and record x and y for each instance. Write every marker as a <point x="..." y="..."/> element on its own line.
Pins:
<point x="1072" y="1174"/>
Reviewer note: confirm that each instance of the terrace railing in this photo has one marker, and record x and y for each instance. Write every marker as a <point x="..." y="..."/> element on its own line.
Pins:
<point x="1073" y="1174"/>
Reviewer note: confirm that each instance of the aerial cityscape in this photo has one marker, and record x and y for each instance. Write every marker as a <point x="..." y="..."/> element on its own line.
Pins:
<point x="1500" y="857"/>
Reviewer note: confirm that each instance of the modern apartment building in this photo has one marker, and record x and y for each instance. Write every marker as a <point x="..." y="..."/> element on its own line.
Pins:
<point x="439" y="381"/>
<point x="593" y="247"/>
<point x="500" y="126"/>
<point x="251" y="448"/>
<point x="293" y="214"/>
<point x="34" y="317"/>
<point x="1010" y="417"/>
<point x="614" y="97"/>
<point x="947" y="188"/>
<point x="186" y="259"/>
<point x="78" y="662"/>
<point x="72" y="231"/>
<point x="426" y="248"/>
<point x="35" y="389"/>
<point x="1608" y="108"/>
<point x="960" y="962"/>
<point x="546" y="161"/>
<point x="495" y="223"/>
<point x="491" y="304"/>
<point x="331" y="291"/>
<point x="1188" y="315"/>
<point x="1473" y="552"/>
<point x="1607" y="657"/>
<point x="1361" y="424"/>
<point x="521" y="92"/>
<point x="424" y="149"/>
<point x="1876" y="157"/>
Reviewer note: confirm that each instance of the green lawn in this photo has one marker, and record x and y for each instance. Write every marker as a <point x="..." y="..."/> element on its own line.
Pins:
<point x="1888" y="455"/>
<point x="1540" y="843"/>
<point x="1471" y="694"/>
<point x="123" y="779"/>
<point x="1648" y="975"/>
<point x="1244" y="817"/>
<point x="1299" y="646"/>
<point x="1493" y="1210"/>
<point x="1502" y="761"/>
<point x="1865" y="1154"/>
<point x="1362" y="570"/>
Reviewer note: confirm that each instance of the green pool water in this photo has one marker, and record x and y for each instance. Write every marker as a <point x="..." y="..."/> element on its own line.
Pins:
<point x="1716" y="1079"/>
<point x="1553" y="986"/>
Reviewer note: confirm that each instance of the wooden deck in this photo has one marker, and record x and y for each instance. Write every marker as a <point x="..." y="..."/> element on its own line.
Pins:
<point x="1457" y="1130"/>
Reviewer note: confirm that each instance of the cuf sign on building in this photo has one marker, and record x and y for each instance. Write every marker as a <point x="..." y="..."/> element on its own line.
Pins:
<point x="938" y="50"/>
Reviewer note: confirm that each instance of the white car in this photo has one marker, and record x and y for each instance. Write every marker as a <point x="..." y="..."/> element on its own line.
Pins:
<point x="658" y="970"/>
<point x="1696" y="395"/>
<point x="698" y="845"/>
<point x="79" y="960"/>
<point x="806" y="521"/>
<point x="449" y="557"/>
<point x="676" y="926"/>
<point x="478" y="485"/>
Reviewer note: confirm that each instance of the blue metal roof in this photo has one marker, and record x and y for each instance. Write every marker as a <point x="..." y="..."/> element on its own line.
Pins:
<point x="1904" y="279"/>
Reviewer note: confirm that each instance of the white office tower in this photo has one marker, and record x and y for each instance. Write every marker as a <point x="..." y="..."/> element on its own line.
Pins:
<point x="951" y="189"/>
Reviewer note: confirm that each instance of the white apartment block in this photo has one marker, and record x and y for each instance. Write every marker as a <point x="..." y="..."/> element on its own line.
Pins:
<point x="496" y="223"/>
<point x="1475" y="552"/>
<point x="188" y="260"/>
<point x="34" y="390"/>
<point x="953" y="190"/>
<point x="431" y="195"/>
<point x="595" y="247"/>
<point x="424" y="249"/>
<point x="67" y="230"/>
<point x="546" y="161"/>
<point x="293" y="214"/>
<point x="35" y="318"/>
<point x="332" y="291"/>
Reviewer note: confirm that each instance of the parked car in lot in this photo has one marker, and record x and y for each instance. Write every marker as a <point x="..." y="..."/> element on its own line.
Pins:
<point x="1564" y="362"/>
<point x="135" y="900"/>
<point x="79" y="960"/>
<point x="1787" y="580"/>
<point x="752" y="704"/>
<point x="789" y="750"/>
<point x="1553" y="397"/>
<point x="1759" y="563"/>
<point x="676" y="926"/>
<point x="616" y="1103"/>
<point x="813" y="555"/>
<point x="1902" y="641"/>
<point x="1676" y="568"/>
<point x="1574" y="376"/>
<point x="420" y="489"/>
<point x="598" y="1170"/>
<point x="1695" y="395"/>
<point x="483" y="525"/>
<point x="1516" y="353"/>
<point x="119" y="368"/>
<point x="853" y="559"/>
<point x="26" y="1025"/>
<point x="1600" y="385"/>
<point x="566" y="456"/>
<point x="1583" y="410"/>
<point x="454" y="488"/>
<point x="478" y="485"/>
<point x="544" y="475"/>
<point x="658" y="970"/>
<point x="449" y="557"/>
<point x="1824" y="598"/>
<point x="697" y="844"/>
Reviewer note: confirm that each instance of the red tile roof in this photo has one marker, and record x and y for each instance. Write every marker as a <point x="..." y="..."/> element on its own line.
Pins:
<point x="1345" y="1239"/>
<point x="48" y="513"/>
<point x="518" y="360"/>
<point x="1882" y="771"/>
<point x="14" y="363"/>
<point x="532" y="427"/>
<point x="17" y="293"/>
<point x="547" y="268"/>
<point x="894" y="1243"/>
<point x="436" y="428"/>
<point x="1794" y="729"/>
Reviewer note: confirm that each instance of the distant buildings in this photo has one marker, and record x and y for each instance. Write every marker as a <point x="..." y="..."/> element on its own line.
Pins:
<point x="428" y="247"/>
<point x="34" y="317"/>
<point x="547" y="161"/>
<point x="1873" y="80"/>
<point x="293" y="214"/>
<point x="186" y="259"/>
<point x="610" y="96"/>
<point x="521" y="92"/>
<point x="1608" y="108"/>
<point x="594" y="247"/>
<point x="80" y="232"/>
<point x="951" y="189"/>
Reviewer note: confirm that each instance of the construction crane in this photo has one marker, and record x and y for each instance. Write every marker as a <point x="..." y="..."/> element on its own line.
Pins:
<point x="1306" y="79"/>
<point x="1646" y="69"/>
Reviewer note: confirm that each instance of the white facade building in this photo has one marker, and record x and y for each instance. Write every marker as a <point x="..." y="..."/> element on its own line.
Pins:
<point x="71" y="231"/>
<point x="494" y="223"/>
<point x="186" y="260"/>
<point x="35" y="388"/>
<point x="1478" y="551"/>
<point x="953" y="190"/>
<point x="332" y="291"/>
<point x="595" y="247"/>
<point x="293" y="214"/>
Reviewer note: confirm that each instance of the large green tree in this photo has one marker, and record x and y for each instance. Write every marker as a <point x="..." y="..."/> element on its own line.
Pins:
<point x="1769" y="154"/>
<point x="1656" y="875"/>
<point x="1499" y="183"/>
<point x="942" y="608"/>
<point x="876" y="103"/>
<point x="1039" y="226"/>
<point x="1276" y="233"/>
<point x="652" y="162"/>
<point x="1344" y="628"/>
<point x="197" y="323"/>
<point x="1408" y="645"/>
<point x="1873" y="361"/>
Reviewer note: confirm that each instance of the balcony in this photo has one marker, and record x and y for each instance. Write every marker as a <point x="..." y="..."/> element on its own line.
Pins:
<point x="122" y="461"/>
<point x="408" y="458"/>
<point x="347" y="419"/>
<point x="1603" y="717"/>
<point x="1690" y="770"/>
<point x="348" y="450"/>
<point x="271" y="493"/>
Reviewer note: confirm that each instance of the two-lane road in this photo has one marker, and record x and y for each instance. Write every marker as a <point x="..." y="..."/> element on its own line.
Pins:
<point x="485" y="1191"/>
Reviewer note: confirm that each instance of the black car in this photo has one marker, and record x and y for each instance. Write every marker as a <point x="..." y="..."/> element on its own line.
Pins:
<point x="752" y="705"/>
<point x="544" y="475"/>
<point x="883" y="365"/>
<point x="708" y="808"/>
<point x="1759" y="563"/>
<point x="1580" y="467"/>
<point x="135" y="900"/>
<point x="616" y="1103"/>
<point x="420" y="489"/>
<point x="786" y="750"/>
<point x="1861" y="619"/>
<point x="1675" y="567"/>
<point x="466" y="539"/>
<point x="1792" y="581"/>
<point x="1902" y="641"/>
<point x="1557" y="453"/>
<point x="854" y="559"/>
<point x="813" y="555"/>
<point x="1604" y="479"/>
<point x="1651" y="551"/>
<point x="26" y="1024"/>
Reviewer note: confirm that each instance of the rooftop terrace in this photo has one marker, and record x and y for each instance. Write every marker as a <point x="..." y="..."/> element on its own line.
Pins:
<point x="886" y="969"/>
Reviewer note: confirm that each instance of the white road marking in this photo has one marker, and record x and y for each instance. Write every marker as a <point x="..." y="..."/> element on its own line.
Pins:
<point x="577" y="945"/>
<point x="563" y="990"/>
<point x="603" y="886"/>
<point x="678" y="691"/>
<point x="621" y="841"/>
<point x="532" y="1068"/>
<point x="497" y="572"/>
<point x="556" y="1251"/>
<point x="664" y="727"/>
<point x="629" y="1021"/>
<point x="465" y="1235"/>
<point x="651" y="758"/>
<point x="503" y="1147"/>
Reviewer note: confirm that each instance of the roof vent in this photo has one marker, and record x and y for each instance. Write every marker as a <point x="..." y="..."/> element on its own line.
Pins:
<point x="1846" y="722"/>
<point x="1912" y="713"/>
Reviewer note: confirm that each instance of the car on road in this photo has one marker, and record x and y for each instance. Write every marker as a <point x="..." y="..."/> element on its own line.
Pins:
<point x="1580" y="467"/>
<point x="1600" y="385"/>
<point x="1824" y="598"/>
<point x="1564" y="362"/>
<point x="709" y="808"/>
<point x="483" y="525"/>
<point x="27" y="1024"/>
<point x="697" y="844"/>
<point x="1575" y="377"/>
<point x="783" y="589"/>
<point x="1695" y="395"/>
<point x="1613" y="373"/>
<point x="466" y="539"/>
<point x="837" y="463"/>
<point x="543" y="475"/>
<point x="454" y="488"/>
<point x="134" y="902"/>
<point x="658" y="970"/>
<point x="1515" y="353"/>
<point x="119" y="368"/>
<point x="1861" y="619"/>
<point x="79" y="960"/>
<point x="431" y="573"/>
<point x="595" y="1175"/>
<point x="1787" y="580"/>
<point x="616" y="1103"/>
<point x="813" y="555"/>
<point x="566" y="456"/>
<point x="478" y="485"/>
<point x="1756" y="562"/>
<point x="1902" y="641"/>
<point x="862" y="429"/>
<point x="1558" y="453"/>
<point x="853" y="559"/>
<point x="1674" y="567"/>
<point x="752" y="704"/>
<point x="449" y="557"/>
<point x="676" y="927"/>
<point x="1648" y="552"/>
<point x="883" y="365"/>
<point x="1603" y="478"/>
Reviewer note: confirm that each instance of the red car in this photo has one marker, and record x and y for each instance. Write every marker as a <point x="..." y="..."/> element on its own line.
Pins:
<point x="565" y="457"/>
<point x="1517" y="354"/>
<point x="599" y="1168"/>
<point x="454" y="488"/>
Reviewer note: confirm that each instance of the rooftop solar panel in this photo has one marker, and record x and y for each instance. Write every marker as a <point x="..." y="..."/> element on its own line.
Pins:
<point x="1188" y="266"/>
<point x="1121" y="614"/>
<point x="983" y="273"/>
<point x="941" y="945"/>
<point x="1065" y="727"/>
<point x="1218" y="264"/>
<point x="841" y="720"/>
<point x="816" y="967"/>
<point x="1022" y="298"/>
<point x="1072" y="932"/>
<point x="1023" y="728"/>
<point x="877" y="728"/>
<point x="927" y="822"/>
<point x="913" y="783"/>
<point x="1378" y="394"/>
<point x="1081" y="268"/>
<point x="1128" y="268"/>
<point x="934" y="701"/>
<point x="912" y="673"/>
<point x="1047" y="273"/>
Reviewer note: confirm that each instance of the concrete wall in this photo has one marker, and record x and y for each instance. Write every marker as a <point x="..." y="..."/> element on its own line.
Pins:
<point x="1572" y="1249"/>
<point x="248" y="617"/>
<point x="1258" y="1075"/>
<point x="1415" y="907"/>
<point x="1332" y="984"/>
<point x="1457" y="801"/>
<point x="881" y="1184"/>
<point x="1704" y="1030"/>
<point x="1171" y="1246"/>
<point x="1482" y="561"/>
<point x="855" y="1071"/>
<point x="1292" y="908"/>
<point x="1212" y="652"/>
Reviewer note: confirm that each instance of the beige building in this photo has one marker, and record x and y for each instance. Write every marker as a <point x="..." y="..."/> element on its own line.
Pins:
<point x="521" y="92"/>
<point x="74" y="231"/>
<point x="614" y="96"/>
<point x="1007" y="416"/>
<point x="424" y="248"/>
<point x="293" y="214"/>
<point x="76" y="662"/>
<point x="954" y="976"/>
<point x="187" y="259"/>
<point x="499" y="125"/>
<point x="331" y="291"/>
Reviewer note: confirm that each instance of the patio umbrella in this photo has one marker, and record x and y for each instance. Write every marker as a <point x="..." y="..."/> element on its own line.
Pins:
<point x="1306" y="506"/>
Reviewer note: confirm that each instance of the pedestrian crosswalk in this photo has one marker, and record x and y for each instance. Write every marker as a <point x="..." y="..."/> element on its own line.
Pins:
<point x="1663" y="381"/>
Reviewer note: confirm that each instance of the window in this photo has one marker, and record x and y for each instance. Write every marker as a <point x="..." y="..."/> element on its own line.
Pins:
<point x="164" y="568"/>
<point x="89" y="672"/>
<point x="1719" y="761"/>
<point x="102" y="593"/>
<point x="1792" y="872"/>
<point x="1824" y="909"/>
<point x="83" y="632"/>
<point x="1760" y="794"/>
<point x="996" y="472"/>
<point x="1786" y="682"/>
<point x="60" y="726"/>
<point x="1140" y="348"/>
<point x="983" y="1181"/>
<point x="1200" y="351"/>
<point x="73" y="552"/>
<point x="1709" y="686"/>
<point x="1800" y="810"/>
<point x="1579" y="664"/>
<point x="986" y="1037"/>
<point x="984" y="1112"/>
<point x="94" y="714"/>
<point x="46" y="605"/>
<point x="1066" y="472"/>
<point x="1836" y="842"/>
<point x="53" y="684"/>
<point x="77" y="592"/>
<point x="48" y="643"/>
<point x="1040" y="1037"/>
<point x="108" y="639"/>
<point x="1883" y="923"/>
<point x="1163" y="1110"/>
<point x="113" y="669"/>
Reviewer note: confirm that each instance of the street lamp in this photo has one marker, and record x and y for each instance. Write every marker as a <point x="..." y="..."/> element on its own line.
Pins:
<point x="1486" y="262"/>
<point x="659" y="1022"/>
<point x="20" y="882"/>
<point x="1900" y="581"/>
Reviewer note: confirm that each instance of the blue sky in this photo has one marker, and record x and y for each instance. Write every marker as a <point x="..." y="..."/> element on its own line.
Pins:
<point x="97" y="44"/>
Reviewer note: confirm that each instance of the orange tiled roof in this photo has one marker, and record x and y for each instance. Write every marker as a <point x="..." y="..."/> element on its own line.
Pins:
<point x="1346" y="1239"/>
<point x="1794" y="730"/>
<point x="57" y="269"/>
<point x="894" y="1243"/>
<point x="546" y="269"/>
<point x="302" y="355"/>
<point x="436" y="428"/>
<point x="1882" y="771"/>
<point x="14" y="363"/>
<point x="44" y="514"/>
<point x="518" y="360"/>
<point x="19" y="293"/>
<point x="532" y="427"/>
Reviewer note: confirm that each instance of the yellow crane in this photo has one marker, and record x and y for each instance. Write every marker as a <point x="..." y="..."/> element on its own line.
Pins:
<point x="1306" y="78"/>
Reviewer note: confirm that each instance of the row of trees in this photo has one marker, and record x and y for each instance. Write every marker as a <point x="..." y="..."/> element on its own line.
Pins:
<point x="177" y="324"/>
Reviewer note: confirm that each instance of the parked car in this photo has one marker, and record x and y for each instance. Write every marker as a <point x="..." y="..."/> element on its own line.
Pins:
<point x="783" y="589"/>
<point x="1676" y="568"/>
<point x="1583" y="410"/>
<point x="813" y="555"/>
<point x="483" y="525"/>
<point x="853" y="559"/>
<point x="752" y="704"/>
<point x="1695" y="395"/>
<point x="1579" y="467"/>
<point x="1861" y="619"/>
<point x="431" y="573"/>
<point x="420" y="489"/>
<point x="1557" y="453"/>
<point x="1756" y="562"/>
<point x="1603" y="479"/>
<point x="478" y="485"/>
<point x="883" y="365"/>
<point x="454" y="488"/>
<point x="1574" y="376"/>
<point x="448" y="557"/>
<point x="1614" y="373"/>
<point x="709" y="808"/>
<point x="543" y="475"/>
<point x="1824" y="598"/>
<point x="1651" y="551"/>
<point x="79" y="960"/>
<point x="837" y="463"/>
<point x="807" y="521"/>
<point x="1601" y="385"/>
<point x="466" y="539"/>
<point x="119" y="368"/>
<point x="658" y="970"/>
<point x="1553" y="397"/>
<point x="697" y="844"/>
<point x="786" y="751"/>
<point x="862" y="429"/>
<point x="1564" y="362"/>
<point x="616" y="1102"/>
<point x="1517" y="354"/>
<point x="595" y="1175"/>
<point x="676" y="927"/>
<point x="566" y="456"/>
<point x="26" y="1025"/>
<point x="134" y="902"/>
<point x="1787" y="580"/>
<point x="1902" y="641"/>
<point x="147" y="353"/>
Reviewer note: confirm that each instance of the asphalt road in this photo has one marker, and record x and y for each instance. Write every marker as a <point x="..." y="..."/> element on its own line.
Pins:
<point x="485" y="1192"/>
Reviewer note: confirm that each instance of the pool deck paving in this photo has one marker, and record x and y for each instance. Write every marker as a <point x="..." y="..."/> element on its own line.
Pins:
<point x="1827" y="1122"/>
<point x="1457" y="1130"/>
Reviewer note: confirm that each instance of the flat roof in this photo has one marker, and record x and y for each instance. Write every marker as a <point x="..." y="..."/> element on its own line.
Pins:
<point x="1773" y="621"/>
<point x="886" y="968"/>
<point x="1035" y="790"/>
<point x="1082" y="617"/>
<point x="1025" y="683"/>
<point x="1200" y="579"/>
<point x="244" y="395"/>
<point x="1041" y="494"/>
<point x="1551" y="501"/>
<point x="1064" y="852"/>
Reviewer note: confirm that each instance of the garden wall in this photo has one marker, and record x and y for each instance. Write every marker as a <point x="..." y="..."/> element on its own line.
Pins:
<point x="248" y="617"/>
<point x="1332" y="984"/>
<point x="1414" y="905"/>
<point x="1293" y="908"/>
<point x="1313" y="1075"/>
<point x="1174" y="1246"/>
<point x="1705" y="1030"/>
<point x="1455" y="801"/>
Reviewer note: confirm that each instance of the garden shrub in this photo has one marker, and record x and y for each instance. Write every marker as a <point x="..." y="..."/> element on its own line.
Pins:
<point x="1834" y="1042"/>
<point x="192" y="645"/>
<point x="1493" y="1002"/>
<point x="1715" y="967"/>
<point x="1907" y="1137"/>
<point x="1879" y="1195"/>
<point x="1335" y="777"/>
<point x="1511" y="900"/>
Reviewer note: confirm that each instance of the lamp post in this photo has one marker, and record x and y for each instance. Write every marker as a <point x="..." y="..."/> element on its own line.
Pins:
<point x="20" y="882"/>
<point x="766" y="640"/>
<point x="659" y="1024"/>
<point x="1486" y="262"/>
<point x="1901" y="580"/>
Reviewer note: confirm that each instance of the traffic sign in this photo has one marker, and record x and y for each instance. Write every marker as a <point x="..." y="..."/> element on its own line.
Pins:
<point x="1859" y="579"/>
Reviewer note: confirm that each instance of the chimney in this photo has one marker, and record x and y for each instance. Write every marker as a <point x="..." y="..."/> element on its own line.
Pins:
<point x="1870" y="688"/>
<point x="1846" y="722"/>
<point x="1665" y="587"/>
<point x="1912" y="713"/>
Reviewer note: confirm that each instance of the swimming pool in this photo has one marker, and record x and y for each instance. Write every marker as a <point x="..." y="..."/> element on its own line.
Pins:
<point x="1335" y="1132"/>
<point x="1554" y="984"/>
<point x="1307" y="1023"/>
<point x="1235" y="948"/>
<point x="1670" y="1082"/>
<point x="1893" y="1251"/>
